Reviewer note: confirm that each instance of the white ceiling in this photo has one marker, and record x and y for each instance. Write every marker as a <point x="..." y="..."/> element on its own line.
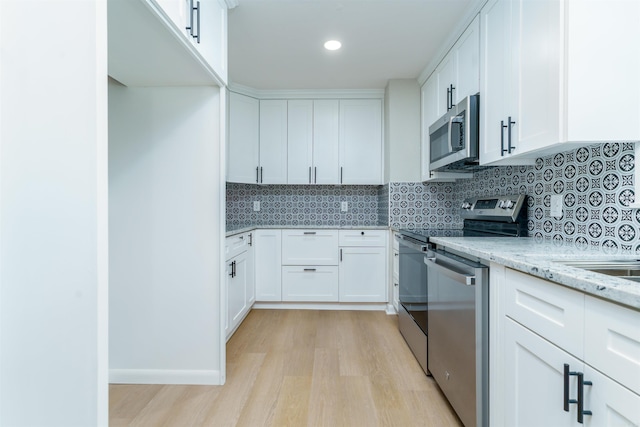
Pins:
<point x="277" y="44"/>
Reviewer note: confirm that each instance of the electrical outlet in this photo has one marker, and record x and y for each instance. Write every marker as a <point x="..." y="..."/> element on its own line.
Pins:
<point x="256" y="206"/>
<point x="344" y="206"/>
<point x="556" y="205"/>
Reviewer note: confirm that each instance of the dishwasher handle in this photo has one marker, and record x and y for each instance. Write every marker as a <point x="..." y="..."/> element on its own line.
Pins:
<point x="469" y="280"/>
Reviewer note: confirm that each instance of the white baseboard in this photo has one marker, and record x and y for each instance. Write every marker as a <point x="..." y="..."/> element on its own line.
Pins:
<point x="391" y="310"/>
<point x="164" y="376"/>
<point x="321" y="306"/>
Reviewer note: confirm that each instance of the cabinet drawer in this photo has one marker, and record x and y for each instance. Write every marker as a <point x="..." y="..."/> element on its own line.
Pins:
<point x="310" y="283"/>
<point x="551" y="310"/>
<point x="612" y="342"/>
<point x="235" y="245"/>
<point x="363" y="237"/>
<point x="309" y="247"/>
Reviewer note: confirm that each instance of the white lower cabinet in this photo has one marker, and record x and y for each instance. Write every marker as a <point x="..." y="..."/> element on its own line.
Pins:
<point x="310" y="283"/>
<point x="542" y="329"/>
<point x="236" y="291"/>
<point x="268" y="263"/>
<point x="240" y="285"/>
<point x="363" y="266"/>
<point x="363" y="274"/>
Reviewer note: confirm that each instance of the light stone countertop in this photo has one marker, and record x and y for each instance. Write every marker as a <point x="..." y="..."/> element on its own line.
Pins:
<point x="244" y="229"/>
<point x="541" y="259"/>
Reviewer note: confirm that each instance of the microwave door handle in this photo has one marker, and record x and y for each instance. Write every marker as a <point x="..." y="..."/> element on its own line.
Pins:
<point x="455" y="119"/>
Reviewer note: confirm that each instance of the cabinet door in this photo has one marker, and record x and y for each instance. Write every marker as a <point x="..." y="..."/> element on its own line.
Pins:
<point x="447" y="86"/>
<point x="273" y="141"/>
<point x="309" y="247"/>
<point x="536" y="44"/>
<point x="251" y="282"/>
<point x="494" y="77"/>
<point x="361" y="141"/>
<point x="610" y="403"/>
<point x="467" y="53"/>
<point x="178" y="11"/>
<point x="212" y="34"/>
<point x="268" y="263"/>
<point x="300" y="142"/>
<point x="310" y="283"/>
<point x="242" y="153"/>
<point x="236" y="291"/>
<point x="326" y="154"/>
<point x="534" y="380"/>
<point x="363" y="274"/>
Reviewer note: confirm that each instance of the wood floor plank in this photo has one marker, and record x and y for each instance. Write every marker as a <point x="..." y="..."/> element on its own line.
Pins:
<point x="300" y="368"/>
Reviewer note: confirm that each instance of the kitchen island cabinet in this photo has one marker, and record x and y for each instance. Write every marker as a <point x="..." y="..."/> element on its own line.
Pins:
<point x="541" y="88"/>
<point x="545" y="334"/>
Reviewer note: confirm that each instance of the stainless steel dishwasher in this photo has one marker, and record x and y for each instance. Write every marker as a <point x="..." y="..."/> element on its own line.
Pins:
<point x="458" y="300"/>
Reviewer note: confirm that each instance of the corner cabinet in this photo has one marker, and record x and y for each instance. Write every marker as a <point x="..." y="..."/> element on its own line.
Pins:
<point x="243" y="152"/>
<point x="580" y="350"/>
<point x="541" y="87"/>
<point x="456" y="77"/>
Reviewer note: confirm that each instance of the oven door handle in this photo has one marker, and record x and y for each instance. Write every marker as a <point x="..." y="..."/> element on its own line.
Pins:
<point x="447" y="271"/>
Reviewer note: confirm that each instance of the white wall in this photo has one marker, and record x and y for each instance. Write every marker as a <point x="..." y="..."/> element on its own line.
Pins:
<point x="165" y="233"/>
<point x="402" y="131"/>
<point x="53" y="213"/>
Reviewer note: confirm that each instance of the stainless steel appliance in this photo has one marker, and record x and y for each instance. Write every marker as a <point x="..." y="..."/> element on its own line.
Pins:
<point x="443" y="313"/>
<point x="412" y="311"/>
<point x="458" y="333"/>
<point x="454" y="138"/>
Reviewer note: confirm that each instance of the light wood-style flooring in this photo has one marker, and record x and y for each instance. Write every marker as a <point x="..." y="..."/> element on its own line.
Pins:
<point x="299" y="368"/>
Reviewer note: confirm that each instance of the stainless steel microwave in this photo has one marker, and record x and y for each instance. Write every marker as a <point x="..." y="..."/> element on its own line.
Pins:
<point x="454" y="138"/>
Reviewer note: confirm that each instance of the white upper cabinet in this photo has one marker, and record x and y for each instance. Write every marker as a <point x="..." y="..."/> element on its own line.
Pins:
<point x="321" y="141"/>
<point x="273" y="141"/>
<point x="548" y="78"/>
<point x="456" y="77"/>
<point x="361" y="141"/>
<point x="150" y="44"/>
<point x="243" y="151"/>
<point x="326" y="161"/>
<point x="300" y="142"/>
<point x="313" y="142"/>
<point x="209" y="32"/>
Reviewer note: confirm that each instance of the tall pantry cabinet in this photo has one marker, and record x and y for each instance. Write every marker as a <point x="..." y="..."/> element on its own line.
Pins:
<point x="53" y="213"/>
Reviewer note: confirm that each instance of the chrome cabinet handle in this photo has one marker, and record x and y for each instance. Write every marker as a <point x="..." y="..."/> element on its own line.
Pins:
<point x="458" y="277"/>
<point x="502" y="127"/>
<point x="510" y="125"/>
<point x="190" y="27"/>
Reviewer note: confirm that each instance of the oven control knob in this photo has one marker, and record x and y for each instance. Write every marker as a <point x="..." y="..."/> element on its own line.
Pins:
<point x="466" y="205"/>
<point x="508" y="204"/>
<point x="501" y="204"/>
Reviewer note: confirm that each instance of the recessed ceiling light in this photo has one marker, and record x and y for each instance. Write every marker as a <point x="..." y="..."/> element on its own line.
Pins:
<point x="332" y="45"/>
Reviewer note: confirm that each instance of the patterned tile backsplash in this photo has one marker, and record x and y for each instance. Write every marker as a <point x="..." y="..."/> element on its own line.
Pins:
<point x="595" y="182"/>
<point x="313" y="205"/>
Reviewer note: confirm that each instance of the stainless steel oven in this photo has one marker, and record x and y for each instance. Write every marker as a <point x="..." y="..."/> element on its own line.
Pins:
<point x="443" y="310"/>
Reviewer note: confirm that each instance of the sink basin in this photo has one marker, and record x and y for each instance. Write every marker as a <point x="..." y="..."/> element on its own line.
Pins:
<point x="624" y="269"/>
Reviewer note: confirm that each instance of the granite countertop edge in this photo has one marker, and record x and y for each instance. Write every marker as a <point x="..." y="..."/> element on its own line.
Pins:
<point x="245" y="229"/>
<point x="544" y="260"/>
